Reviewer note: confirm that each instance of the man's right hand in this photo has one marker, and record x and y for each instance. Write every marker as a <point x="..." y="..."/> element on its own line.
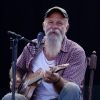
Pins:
<point x="17" y="83"/>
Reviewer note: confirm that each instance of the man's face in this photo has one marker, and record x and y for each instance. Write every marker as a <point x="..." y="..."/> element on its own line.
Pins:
<point x="55" y="25"/>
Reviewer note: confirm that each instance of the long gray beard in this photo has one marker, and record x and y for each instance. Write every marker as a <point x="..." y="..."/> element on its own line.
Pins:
<point x="53" y="44"/>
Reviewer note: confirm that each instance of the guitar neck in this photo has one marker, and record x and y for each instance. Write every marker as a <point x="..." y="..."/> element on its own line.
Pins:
<point x="40" y="75"/>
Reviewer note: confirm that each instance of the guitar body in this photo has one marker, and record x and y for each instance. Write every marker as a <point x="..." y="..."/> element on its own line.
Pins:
<point x="29" y="90"/>
<point x="30" y="81"/>
<point x="27" y="87"/>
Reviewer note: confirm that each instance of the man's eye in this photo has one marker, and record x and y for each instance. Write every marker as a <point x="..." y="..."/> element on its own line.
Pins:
<point x="59" y="23"/>
<point x="50" y="22"/>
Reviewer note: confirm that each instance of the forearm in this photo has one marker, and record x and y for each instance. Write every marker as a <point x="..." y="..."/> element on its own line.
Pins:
<point x="60" y="84"/>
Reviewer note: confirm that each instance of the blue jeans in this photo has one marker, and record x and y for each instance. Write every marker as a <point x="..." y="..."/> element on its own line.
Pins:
<point x="70" y="91"/>
<point x="17" y="97"/>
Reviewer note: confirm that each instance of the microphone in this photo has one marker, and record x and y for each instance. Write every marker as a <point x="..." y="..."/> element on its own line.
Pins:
<point x="13" y="33"/>
<point x="39" y="39"/>
<point x="21" y="38"/>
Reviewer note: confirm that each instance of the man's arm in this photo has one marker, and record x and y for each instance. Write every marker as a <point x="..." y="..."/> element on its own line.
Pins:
<point x="59" y="84"/>
<point x="56" y="79"/>
<point x="18" y="73"/>
<point x="18" y="79"/>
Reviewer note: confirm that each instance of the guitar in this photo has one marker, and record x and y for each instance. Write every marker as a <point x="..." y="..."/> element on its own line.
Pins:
<point x="30" y="80"/>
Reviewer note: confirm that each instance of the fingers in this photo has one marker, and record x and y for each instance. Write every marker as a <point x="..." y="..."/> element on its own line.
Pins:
<point x="17" y="83"/>
<point x="10" y="83"/>
<point x="45" y="76"/>
<point x="49" y="77"/>
<point x="52" y="68"/>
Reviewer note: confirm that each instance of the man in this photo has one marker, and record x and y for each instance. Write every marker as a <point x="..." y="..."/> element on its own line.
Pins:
<point x="56" y="49"/>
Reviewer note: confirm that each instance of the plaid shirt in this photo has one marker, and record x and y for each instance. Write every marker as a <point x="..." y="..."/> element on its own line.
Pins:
<point x="71" y="53"/>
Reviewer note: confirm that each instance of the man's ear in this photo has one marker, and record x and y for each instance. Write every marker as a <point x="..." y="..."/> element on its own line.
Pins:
<point x="67" y="27"/>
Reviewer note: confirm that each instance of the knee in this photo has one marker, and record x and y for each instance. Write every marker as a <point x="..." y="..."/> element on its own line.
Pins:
<point x="70" y="91"/>
<point x="72" y="88"/>
<point x="17" y="97"/>
<point x="7" y="97"/>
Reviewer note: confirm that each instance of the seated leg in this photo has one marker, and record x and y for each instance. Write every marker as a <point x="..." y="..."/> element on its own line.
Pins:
<point x="70" y="91"/>
<point x="17" y="97"/>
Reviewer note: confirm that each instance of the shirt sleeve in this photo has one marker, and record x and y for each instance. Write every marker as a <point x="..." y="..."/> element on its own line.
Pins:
<point x="23" y="60"/>
<point x="77" y="67"/>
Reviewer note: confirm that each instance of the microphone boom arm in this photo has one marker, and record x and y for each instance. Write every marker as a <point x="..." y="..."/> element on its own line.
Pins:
<point x="21" y="38"/>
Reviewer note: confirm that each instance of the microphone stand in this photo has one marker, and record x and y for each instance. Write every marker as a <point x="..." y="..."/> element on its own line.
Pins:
<point x="14" y="47"/>
<point x="14" y="43"/>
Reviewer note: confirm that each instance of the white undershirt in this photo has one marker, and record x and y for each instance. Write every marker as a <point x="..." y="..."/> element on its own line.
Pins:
<point x="44" y="91"/>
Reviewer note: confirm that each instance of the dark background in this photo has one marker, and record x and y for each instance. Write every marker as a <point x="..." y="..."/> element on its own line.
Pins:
<point x="25" y="17"/>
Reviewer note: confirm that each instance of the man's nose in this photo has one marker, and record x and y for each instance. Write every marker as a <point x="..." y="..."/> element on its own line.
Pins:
<point x="54" y="26"/>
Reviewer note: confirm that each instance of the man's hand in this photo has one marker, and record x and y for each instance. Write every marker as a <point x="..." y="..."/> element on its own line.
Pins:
<point x="51" y="77"/>
<point x="18" y="81"/>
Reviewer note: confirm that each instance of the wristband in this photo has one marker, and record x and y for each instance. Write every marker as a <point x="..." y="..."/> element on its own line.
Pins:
<point x="57" y="80"/>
